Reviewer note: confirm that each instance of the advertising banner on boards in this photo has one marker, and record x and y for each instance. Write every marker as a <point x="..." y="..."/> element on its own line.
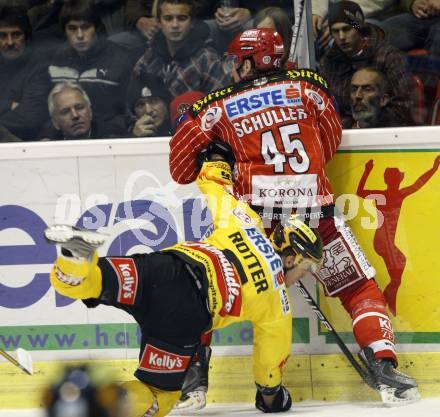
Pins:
<point x="388" y="197"/>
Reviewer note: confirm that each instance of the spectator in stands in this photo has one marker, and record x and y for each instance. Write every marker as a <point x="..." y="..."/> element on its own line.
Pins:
<point x="120" y="19"/>
<point x="374" y="12"/>
<point x="230" y="17"/>
<point x="224" y="17"/>
<point x="181" y="53"/>
<point x="71" y="112"/>
<point x="418" y="28"/>
<point x="148" y="25"/>
<point x="124" y="21"/>
<point x="358" y="45"/>
<point x="145" y="20"/>
<point x="148" y="102"/>
<point x="24" y="83"/>
<point x="370" y="98"/>
<point x="276" y="18"/>
<point x="101" y="67"/>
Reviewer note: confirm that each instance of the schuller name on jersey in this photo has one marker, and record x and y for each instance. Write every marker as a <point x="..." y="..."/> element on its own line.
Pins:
<point x="256" y="109"/>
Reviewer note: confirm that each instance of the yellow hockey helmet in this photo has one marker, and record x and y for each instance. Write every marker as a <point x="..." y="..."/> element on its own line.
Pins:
<point x="294" y="235"/>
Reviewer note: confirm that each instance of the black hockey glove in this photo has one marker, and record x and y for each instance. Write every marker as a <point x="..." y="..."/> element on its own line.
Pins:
<point x="281" y="402"/>
<point x="218" y="147"/>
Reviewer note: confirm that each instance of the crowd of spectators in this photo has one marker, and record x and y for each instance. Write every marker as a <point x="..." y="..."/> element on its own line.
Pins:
<point x="73" y="69"/>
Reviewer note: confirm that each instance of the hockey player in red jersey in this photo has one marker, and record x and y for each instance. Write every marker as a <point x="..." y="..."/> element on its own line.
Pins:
<point x="283" y="128"/>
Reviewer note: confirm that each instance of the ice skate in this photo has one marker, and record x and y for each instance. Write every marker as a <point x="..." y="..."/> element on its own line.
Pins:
<point x="394" y="387"/>
<point x="195" y="385"/>
<point x="74" y="242"/>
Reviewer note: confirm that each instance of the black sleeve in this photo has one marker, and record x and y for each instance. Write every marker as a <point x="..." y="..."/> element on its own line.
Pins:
<point x="32" y="112"/>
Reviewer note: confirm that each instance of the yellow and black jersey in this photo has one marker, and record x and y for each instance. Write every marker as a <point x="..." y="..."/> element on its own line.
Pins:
<point x="244" y="273"/>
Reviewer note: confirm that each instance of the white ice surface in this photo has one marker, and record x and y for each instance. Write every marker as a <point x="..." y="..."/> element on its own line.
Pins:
<point x="423" y="408"/>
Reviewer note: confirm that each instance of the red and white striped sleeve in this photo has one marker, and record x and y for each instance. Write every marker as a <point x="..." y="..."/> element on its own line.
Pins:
<point x="330" y="128"/>
<point x="185" y="145"/>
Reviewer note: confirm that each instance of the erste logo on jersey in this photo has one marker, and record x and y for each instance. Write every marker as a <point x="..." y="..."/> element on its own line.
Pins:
<point x="265" y="248"/>
<point x="127" y="274"/>
<point x="262" y="98"/>
<point x="159" y="360"/>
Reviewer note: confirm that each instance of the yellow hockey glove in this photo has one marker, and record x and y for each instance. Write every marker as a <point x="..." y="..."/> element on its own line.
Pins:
<point x="219" y="172"/>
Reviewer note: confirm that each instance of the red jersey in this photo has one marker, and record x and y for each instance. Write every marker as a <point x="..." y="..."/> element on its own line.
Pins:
<point x="283" y="130"/>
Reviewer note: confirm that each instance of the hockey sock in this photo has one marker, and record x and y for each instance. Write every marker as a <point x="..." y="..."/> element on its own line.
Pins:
<point x="371" y="324"/>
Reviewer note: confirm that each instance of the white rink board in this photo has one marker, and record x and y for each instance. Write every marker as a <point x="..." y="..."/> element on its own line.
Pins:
<point x="47" y="182"/>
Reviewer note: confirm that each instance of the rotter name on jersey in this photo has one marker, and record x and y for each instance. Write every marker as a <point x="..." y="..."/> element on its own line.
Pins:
<point x="263" y="98"/>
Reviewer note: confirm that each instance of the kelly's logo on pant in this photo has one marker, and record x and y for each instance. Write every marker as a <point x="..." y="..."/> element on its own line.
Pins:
<point x="158" y="360"/>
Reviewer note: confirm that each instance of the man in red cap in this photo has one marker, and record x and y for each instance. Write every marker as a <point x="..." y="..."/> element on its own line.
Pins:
<point x="180" y="105"/>
<point x="283" y="128"/>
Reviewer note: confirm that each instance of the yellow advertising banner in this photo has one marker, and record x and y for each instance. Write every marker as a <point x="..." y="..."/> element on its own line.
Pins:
<point x="391" y="199"/>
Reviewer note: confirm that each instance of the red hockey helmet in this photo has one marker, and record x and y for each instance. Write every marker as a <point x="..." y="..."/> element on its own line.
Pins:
<point x="264" y="45"/>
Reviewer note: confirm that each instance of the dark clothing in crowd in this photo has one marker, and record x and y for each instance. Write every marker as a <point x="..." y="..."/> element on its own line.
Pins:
<point x="195" y="66"/>
<point x="387" y="118"/>
<point x="206" y="9"/>
<point x="104" y="73"/>
<point x="95" y="133"/>
<point x="118" y="17"/>
<point x="25" y="82"/>
<point x="406" y="32"/>
<point x="338" y="69"/>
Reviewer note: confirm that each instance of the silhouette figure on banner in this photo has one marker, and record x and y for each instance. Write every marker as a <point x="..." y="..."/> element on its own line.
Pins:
<point x="390" y="201"/>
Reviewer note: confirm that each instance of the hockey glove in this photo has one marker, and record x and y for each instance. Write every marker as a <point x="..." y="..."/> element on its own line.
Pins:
<point x="215" y="151"/>
<point x="281" y="401"/>
<point x="218" y="172"/>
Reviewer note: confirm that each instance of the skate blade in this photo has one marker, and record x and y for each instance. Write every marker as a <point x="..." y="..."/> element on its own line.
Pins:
<point x="62" y="233"/>
<point x="196" y="401"/>
<point x="391" y="398"/>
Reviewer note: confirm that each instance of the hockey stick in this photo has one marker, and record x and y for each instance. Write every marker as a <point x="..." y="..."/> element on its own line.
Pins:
<point x="23" y="361"/>
<point x="295" y="29"/>
<point x="364" y="374"/>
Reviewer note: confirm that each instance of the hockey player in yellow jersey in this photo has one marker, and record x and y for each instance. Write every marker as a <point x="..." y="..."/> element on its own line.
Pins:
<point x="178" y="293"/>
